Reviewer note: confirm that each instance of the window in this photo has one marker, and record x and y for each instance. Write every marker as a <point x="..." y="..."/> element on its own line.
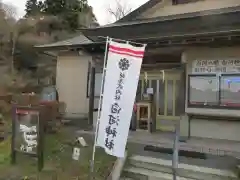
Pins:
<point x="214" y="91"/>
<point x="203" y="90"/>
<point x="168" y="98"/>
<point x="139" y="91"/>
<point x="98" y="81"/>
<point x="230" y="90"/>
<point x="176" y="2"/>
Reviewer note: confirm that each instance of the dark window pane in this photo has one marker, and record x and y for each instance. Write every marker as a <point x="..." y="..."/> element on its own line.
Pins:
<point x="98" y="82"/>
<point x="178" y="99"/>
<point x="145" y="85"/>
<point x="169" y="97"/>
<point x="161" y="97"/>
<point x="154" y="86"/>
<point x="230" y="90"/>
<point x="138" y="93"/>
<point x="203" y="90"/>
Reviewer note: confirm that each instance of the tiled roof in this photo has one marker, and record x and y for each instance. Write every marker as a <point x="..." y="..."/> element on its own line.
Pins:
<point x="132" y="16"/>
<point x="78" y="40"/>
<point x="83" y="40"/>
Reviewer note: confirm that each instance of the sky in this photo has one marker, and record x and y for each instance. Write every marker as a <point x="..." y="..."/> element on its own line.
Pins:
<point x="99" y="7"/>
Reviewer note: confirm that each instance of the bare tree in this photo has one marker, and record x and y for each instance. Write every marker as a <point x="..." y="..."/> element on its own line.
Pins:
<point x="7" y="23"/>
<point x="10" y="10"/>
<point x="119" y="9"/>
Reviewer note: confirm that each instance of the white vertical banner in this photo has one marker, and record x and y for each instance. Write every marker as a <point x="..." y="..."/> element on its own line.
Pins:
<point x="122" y="74"/>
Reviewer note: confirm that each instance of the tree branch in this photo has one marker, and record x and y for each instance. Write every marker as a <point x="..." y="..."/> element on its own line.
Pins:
<point x="119" y="10"/>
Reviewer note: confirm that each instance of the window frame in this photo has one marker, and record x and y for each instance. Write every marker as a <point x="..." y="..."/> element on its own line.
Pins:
<point x="88" y="82"/>
<point x="219" y="102"/>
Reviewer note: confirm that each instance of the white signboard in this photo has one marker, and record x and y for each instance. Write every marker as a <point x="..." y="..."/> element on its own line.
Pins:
<point x="216" y="66"/>
<point x="76" y="154"/>
<point x="121" y="80"/>
<point x="30" y="137"/>
<point x="149" y="90"/>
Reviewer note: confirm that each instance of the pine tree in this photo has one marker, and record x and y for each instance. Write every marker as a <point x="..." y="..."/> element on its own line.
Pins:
<point x="68" y="10"/>
<point x="32" y="8"/>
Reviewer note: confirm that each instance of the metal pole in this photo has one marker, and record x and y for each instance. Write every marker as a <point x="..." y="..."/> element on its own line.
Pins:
<point x="99" y="110"/>
<point x="175" y="151"/>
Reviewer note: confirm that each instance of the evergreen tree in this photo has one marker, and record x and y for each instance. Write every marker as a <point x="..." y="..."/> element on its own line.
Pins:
<point x="68" y="10"/>
<point x="32" y="8"/>
<point x="54" y="7"/>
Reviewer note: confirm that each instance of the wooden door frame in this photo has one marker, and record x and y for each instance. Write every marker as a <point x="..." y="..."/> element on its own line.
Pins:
<point x="169" y="75"/>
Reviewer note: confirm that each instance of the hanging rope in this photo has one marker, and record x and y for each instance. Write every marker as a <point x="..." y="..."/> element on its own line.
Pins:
<point x="163" y="73"/>
<point x="145" y="82"/>
<point x="145" y="77"/>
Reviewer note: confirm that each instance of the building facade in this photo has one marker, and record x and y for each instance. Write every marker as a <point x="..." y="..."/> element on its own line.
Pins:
<point x="191" y="63"/>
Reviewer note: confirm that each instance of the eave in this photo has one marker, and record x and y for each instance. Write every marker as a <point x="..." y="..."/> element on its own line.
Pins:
<point x="165" y="28"/>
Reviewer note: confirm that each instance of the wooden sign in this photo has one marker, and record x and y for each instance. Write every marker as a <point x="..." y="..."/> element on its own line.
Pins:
<point x="27" y="133"/>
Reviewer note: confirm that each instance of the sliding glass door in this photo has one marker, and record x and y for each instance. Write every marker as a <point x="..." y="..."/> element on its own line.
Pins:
<point x="167" y="97"/>
<point x="168" y="110"/>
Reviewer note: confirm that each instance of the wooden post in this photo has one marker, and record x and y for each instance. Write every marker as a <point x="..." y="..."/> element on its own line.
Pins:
<point x="13" y="151"/>
<point x="40" y="150"/>
<point x="183" y="89"/>
<point x="91" y="94"/>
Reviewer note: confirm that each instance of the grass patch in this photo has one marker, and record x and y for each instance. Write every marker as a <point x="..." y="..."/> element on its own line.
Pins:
<point x="58" y="163"/>
<point x="5" y="150"/>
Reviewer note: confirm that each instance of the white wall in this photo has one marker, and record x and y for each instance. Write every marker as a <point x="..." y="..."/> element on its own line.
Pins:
<point x="215" y="129"/>
<point x="71" y="82"/>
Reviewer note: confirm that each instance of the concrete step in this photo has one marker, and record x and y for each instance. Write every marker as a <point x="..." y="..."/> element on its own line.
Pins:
<point x="145" y="174"/>
<point x="184" y="170"/>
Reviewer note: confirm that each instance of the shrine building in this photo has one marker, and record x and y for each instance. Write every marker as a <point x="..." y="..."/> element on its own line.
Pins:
<point x="191" y="67"/>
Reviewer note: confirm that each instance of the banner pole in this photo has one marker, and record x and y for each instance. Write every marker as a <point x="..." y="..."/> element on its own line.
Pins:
<point x="99" y="110"/>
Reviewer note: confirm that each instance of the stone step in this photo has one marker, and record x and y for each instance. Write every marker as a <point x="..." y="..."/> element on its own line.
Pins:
<point x="126" y="178"/>
<point x="184" y="170"/>
<point x="145" y="174"/>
